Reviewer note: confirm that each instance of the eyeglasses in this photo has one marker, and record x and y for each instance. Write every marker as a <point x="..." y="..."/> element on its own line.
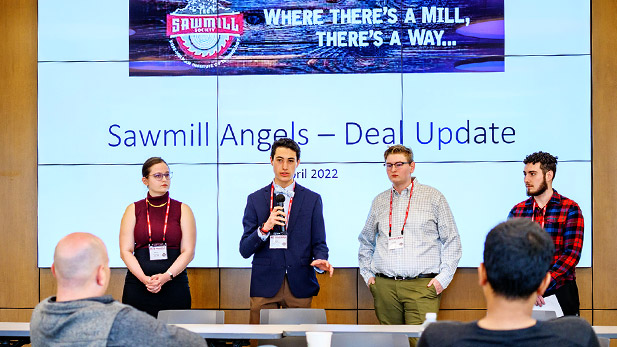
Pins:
<point x="159" y="176"/>
<point x="397" y="165"/>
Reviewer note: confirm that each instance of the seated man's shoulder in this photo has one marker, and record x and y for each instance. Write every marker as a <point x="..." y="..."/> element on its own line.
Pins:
<point x="73" y="322"/>
<point x="444" y="333"/>
<point x="566" y="331"/>
<point x="132" y="325"/>
<point x="94" y="307"/>
<point x="130" y="319"/>
<point x="574" y="325"/>
<point x="569" y="321"/>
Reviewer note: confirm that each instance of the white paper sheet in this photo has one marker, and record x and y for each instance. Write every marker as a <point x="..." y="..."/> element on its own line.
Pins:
<point x="551" y="304"/>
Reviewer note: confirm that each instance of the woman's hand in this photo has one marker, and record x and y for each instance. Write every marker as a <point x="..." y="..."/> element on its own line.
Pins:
<point x="151" y="285"/>
<point x="156" y="282"/>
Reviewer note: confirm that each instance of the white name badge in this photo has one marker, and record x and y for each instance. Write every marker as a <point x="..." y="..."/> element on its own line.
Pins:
<point x="158" y="251"/>
<point x="396" y="242"/>
<point x="278" y="241"/>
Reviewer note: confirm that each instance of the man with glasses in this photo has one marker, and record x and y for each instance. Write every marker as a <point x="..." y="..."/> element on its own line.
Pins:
<point x="409" y="246"/>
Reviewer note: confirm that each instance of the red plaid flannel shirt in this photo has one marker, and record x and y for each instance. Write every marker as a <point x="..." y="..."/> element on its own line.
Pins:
<point x="563" y="220"/>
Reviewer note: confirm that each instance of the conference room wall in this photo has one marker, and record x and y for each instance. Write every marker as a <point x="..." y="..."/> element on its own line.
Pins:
<point x="19" y="276"/>
<point x="344" y="296"/>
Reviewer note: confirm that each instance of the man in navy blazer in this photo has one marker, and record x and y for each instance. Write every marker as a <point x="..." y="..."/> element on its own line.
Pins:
<point x="288" y="243"/>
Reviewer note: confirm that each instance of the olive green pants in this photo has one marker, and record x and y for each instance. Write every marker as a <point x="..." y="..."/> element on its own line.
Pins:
<point x="404" y="302"/>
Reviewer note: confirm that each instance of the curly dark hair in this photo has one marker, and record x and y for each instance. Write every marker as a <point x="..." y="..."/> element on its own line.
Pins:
<point x="517" y="256"/>
<point x="546" y="160"/>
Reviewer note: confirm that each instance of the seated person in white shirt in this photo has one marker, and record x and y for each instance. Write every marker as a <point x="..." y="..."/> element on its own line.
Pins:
<point x="517" y="258"/>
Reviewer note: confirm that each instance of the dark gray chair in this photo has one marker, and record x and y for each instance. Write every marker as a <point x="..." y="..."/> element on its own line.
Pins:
<point x="369" y="340"/>
<point x="604" y="341"/>
<point x="293" y="316"/>
<point x="191" y="317"/>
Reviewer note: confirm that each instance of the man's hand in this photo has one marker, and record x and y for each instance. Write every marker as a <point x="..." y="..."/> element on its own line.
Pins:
<point x="438" y="287"/>
<point x="540" y="301"/>
<point x="277" y="217"/>
<point x="323" y="265"/>
<point x="371" y="280"/>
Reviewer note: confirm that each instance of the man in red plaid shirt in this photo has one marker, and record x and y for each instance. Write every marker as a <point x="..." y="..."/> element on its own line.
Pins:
<point x="562" y="219"/>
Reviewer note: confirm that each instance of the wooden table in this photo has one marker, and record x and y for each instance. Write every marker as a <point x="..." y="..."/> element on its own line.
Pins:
<point x="236" y="334"/>
<point x="18" y="334"/>
<point x="237" y="331"/>
<point x="14" y="334"/>
<point x="301" y="329"/>
<point x="606" y="331"/>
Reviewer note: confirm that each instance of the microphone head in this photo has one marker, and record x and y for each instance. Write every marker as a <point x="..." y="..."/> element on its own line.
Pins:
<point x="280" y="198"/>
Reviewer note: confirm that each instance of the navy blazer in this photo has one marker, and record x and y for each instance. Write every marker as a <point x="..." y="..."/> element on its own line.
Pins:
<point x="306" y="242"/>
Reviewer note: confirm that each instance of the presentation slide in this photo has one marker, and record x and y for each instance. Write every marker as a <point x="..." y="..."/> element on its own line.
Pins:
<point x="472" y="86"/>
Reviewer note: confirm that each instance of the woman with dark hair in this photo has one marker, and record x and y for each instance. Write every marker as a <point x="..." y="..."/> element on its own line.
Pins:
<point x="157" y="242"/>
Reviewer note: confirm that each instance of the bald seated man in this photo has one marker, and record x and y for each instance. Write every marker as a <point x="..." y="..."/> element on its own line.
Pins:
<point x="81" y="315"/>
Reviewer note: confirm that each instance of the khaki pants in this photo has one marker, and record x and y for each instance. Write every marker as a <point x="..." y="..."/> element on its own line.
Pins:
<point x="283" y="299"/>
<point x="404" y="302"/>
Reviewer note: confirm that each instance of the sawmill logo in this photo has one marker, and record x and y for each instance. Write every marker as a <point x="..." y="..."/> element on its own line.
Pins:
<point x="204" y="34"/>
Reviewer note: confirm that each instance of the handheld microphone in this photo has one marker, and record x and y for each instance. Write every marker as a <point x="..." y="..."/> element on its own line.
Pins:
<point x="280" y="201"/>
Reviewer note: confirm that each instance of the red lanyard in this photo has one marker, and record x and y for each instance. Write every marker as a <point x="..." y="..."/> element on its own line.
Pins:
<point x="406" y="212"/>
<point x="291" y="199"/>
<point x="533" y="215"/>
<point x="148" y="219"/>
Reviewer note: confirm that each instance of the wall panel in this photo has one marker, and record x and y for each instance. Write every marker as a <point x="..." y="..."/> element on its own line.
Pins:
<point x="604" y="144"/>
<point x="15" y="315"/>
<point x="367" y="317"/>
<point x="463" y="292"/>
<point x="48" y="284"/>
<point x="237" y="316"/>
<point x="342" y="316"/>
<point x="204" y="288"/>
<point x="339" y="291"/>
<point x="585" y="289"/>
<point x="461" y="315"/>
<point x="235" y="288"/>
<point x="604" y="317"/>
<point x="18" y="127"/>
<point x="23" y="285"/>
<point x="365" y="299"/>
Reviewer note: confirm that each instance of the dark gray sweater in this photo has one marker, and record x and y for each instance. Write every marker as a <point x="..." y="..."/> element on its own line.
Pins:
<point x="102" y="321"/>
<point x="562" y="332"/>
